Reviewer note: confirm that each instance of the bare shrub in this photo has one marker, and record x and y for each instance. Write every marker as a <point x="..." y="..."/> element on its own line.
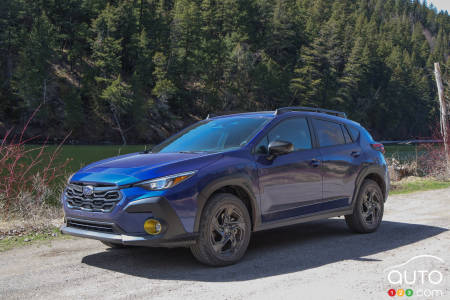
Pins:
<point x="29" y="175"/>
<point x="433" y="162"/>
<point x="430" y="161"/>
<point x="399" y="170"/>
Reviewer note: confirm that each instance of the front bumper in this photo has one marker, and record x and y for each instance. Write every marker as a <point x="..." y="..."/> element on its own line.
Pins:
<point x="173" y="233"/>
<point x="124" y="239"/>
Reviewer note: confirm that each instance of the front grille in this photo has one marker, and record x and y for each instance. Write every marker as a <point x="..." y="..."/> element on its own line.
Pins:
<point x="102" y="199"/>
<point x="94" y="226"/>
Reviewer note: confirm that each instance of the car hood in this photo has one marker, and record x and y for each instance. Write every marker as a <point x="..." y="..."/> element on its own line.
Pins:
<point x="134" y="167"/>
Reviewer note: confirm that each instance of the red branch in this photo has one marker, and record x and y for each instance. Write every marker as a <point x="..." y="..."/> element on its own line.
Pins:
<point x="20" y="164"/>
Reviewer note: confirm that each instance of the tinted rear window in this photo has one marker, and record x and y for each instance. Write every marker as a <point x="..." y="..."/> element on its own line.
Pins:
<point x="329" y="133"/>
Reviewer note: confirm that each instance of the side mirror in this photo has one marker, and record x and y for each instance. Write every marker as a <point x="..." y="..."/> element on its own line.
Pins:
<point x="277" y="148"/>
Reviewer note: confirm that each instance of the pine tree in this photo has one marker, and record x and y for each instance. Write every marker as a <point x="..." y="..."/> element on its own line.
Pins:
<point x="309" y="80"/>
<point x="11" y="36"/>
<point x="133" y="61"/>
<point x="185" y="42"/>
<point x="34" y="73"/>
<point x="118" y="95"/>
<point x="164" y="88"/>
<point x="107" y="52"/>
<point x="144" y="67"/>
<point x="354" y="72"/>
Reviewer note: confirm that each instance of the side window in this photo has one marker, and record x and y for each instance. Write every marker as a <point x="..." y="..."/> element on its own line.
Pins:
<point x="348" y="139"/>
<point x="354" y="132"/>
<point x="329" y="133"/>
<point x="295" y="130"/>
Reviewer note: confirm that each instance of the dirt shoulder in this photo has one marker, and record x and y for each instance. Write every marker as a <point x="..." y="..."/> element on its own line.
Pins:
<point x="320" y="260"/>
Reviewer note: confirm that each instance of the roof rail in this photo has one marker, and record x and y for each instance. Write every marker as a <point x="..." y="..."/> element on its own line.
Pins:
<point x="225" y="113"/>
<point x="282" y="110"/>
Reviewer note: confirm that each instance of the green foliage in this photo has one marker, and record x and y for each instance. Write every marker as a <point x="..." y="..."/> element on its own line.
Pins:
<point x="164" y="89"/>
<point x="118" y="94"/>
<point x="106" y="55"/>
<point x="103" y="67"/>
<point x="34" y="70"/>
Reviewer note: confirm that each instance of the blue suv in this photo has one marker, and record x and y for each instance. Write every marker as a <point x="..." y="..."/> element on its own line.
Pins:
<point x="212" y="184"/>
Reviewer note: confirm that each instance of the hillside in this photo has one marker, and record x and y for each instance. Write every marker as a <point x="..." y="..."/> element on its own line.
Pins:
<point x="137" y="70"/>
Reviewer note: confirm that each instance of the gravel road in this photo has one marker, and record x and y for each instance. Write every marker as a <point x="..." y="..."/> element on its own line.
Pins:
<point x="319" y="260"/>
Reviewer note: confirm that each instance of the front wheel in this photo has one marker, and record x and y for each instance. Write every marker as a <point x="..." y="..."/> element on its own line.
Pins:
<point x="369" y="207"/>
<point x="225" y="229"/>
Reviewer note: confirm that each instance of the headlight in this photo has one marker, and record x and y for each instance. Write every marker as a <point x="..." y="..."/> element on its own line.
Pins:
<point x="166" y="182"/>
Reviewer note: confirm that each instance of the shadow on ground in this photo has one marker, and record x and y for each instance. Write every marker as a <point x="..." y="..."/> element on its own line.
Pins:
<point x="270" y="253"/>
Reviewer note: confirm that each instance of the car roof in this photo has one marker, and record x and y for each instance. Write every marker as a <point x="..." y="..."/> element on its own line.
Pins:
<point x="271" y="114"/>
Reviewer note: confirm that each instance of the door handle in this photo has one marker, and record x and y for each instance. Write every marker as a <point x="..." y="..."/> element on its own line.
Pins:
<point x="355" y="153"/>
<point x="315" y="162"/>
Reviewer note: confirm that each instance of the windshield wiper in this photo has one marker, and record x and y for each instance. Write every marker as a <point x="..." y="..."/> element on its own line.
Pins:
<point x="146" y="150"/>
<point x="192" y="151"/>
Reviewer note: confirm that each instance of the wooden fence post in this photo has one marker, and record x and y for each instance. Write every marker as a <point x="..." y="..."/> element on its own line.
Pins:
<point x="443" y="106"/>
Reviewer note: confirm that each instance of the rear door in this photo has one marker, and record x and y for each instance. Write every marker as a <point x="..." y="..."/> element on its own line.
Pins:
<point x="291" y="180"/>
<point x="341" y="159"/>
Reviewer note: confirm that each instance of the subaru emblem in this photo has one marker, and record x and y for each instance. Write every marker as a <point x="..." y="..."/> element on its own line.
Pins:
<point x="88" y="190"/>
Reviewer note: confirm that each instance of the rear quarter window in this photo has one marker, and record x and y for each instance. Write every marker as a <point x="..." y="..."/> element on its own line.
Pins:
<point x="354" y="132"/>
<point x="348" y="139"/>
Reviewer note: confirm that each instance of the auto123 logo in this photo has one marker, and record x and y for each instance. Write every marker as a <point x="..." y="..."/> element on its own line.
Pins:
<point x="421" y="277"/>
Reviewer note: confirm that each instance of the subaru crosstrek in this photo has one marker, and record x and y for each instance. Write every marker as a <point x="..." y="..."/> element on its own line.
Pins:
<point x="212" y="184"/>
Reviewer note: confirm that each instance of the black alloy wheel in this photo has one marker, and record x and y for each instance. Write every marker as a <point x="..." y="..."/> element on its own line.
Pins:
<point x="224" y="233"/>
<point x="368" y="210"/>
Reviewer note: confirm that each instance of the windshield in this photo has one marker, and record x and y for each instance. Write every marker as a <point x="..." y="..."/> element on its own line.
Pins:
<point x="214" y="135"/>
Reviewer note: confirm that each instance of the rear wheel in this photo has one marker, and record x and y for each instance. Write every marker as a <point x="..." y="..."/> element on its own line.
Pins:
<point x="225" y="229"/>
<point x="368" y="210"/>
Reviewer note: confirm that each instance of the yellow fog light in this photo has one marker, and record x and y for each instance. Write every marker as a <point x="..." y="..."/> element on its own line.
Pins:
<point x="152" y="226"/>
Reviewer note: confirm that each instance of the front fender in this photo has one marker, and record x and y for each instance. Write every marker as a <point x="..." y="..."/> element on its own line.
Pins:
<point x="241" y="180"/>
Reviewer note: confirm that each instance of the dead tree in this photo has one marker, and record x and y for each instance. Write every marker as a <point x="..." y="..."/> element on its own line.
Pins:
<point x="443" y="107"/>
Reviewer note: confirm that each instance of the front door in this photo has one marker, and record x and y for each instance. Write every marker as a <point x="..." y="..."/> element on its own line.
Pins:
<point x="289" y="181"/>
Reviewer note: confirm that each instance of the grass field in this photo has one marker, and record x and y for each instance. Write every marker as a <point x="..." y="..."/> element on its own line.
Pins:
<point x="411" y="185"/>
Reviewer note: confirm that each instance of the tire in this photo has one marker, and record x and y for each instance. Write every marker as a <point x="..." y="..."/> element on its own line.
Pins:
<point x="224" y="233"/>
<point x="369" y="207"/>
<point x="113" y="245"/>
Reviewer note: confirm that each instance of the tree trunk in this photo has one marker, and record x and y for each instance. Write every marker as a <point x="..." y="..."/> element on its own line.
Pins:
<point x="443" y="106"/>
<point x="119" y="128"/>
<point x="44" y="92"/>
